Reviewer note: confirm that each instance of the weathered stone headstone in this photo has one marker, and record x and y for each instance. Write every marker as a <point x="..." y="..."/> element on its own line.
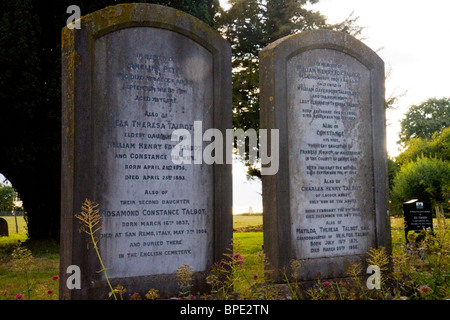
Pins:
<point x="131" y="75"/>
<point x="327" y="205"/>
<point x="418" y="216"/>
<point x="4" y="232"/>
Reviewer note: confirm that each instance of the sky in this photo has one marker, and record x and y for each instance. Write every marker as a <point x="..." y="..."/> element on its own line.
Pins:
<point x="413" y="39"/>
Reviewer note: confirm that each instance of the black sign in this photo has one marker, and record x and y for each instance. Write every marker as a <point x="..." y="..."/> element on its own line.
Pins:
<point x="418" y="216"/>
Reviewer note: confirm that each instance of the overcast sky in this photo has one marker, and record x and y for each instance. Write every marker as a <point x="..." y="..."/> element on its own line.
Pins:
<point x="413" y="39"/>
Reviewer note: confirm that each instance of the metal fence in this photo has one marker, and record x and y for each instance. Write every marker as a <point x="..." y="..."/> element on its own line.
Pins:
<point x="11" y="213"/>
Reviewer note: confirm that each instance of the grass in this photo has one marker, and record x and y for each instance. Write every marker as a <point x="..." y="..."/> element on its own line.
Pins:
<point x="248" y="244"/>
<point x="45" y="264"/>
<point x="21" y="224"/>
<point x="413" y="271"/>
<point x="247" y="222"/>
<point x="14" y="236"/>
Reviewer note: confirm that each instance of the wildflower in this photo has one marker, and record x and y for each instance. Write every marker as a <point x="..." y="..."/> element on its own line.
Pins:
<point x="327" y="285"/>
<point x="90" y="220"/>
<point x="55" y="277"/>
<point x="255" y="276"/>
<point x="214" y="281"/>
<point x="119" y="289"/>
<point x="185" y="278"/>
<point x="152" y="294"/>
<point x="19" y="296"/>
<point x="49" y="291"/>
<point x="22" y="259"/>
<point x="135" y="296"/>
<point x="5" y="292"/>
<point x="192" y="297"/>
<point x="424" y="290"/>
<point x="238" y="258"/>
<point x="218" y="268"/>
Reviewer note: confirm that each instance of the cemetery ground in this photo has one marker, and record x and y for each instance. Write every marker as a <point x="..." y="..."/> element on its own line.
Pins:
<point x="417" y="274"/>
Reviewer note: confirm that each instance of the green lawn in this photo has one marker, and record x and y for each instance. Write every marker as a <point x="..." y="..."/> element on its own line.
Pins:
<point x="44" y="265"/>
<point x="245" y="221"/>
<point x="21" y="226"/>
<point x="248" y="244"/>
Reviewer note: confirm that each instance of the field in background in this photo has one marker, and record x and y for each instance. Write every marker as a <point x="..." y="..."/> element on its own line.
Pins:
<point x="45" y="265"/>
<point x="14" y="237"/>
<point x="247" y="222"/>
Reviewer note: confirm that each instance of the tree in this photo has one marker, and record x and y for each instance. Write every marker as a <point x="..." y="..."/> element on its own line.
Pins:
<point x="7" y="197"/>
<point x="30" y="98"/>
<point x="242" y="25"/>
<point x="250" y="25"/>
<point x="427" y="179"/>
<point x="421" y="165"/>
<point x="423" y="120"/>
<point x="393" y="168"/>
<point x="30" y="107"/>
<point x="438" y="146"/>
<point x="415" y="147"/>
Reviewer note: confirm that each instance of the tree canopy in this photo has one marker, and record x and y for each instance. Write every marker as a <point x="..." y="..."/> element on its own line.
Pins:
<point x="438" y="146"/>
<point x="424" y="119"/>
<point x="7" y="197"/>
<point x="422" y="170"/>
<point x="427" y="179"/>
<point x="250" y="25"/>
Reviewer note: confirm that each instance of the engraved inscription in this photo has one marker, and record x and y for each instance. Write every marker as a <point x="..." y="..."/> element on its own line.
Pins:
<point x="157" y="216"/>
<point x="330" y="167"/>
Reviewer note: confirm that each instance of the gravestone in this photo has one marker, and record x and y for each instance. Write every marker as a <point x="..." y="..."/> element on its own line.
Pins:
<point x="418" y="216"/>
<point x="131" y="75"/>
<point x="4" y="232"/>
<point x="327" y="205"/>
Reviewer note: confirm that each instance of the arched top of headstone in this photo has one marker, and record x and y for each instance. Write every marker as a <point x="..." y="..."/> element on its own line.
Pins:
<point x="3" y="228"/>
<point x="134" y="15"/>
<point x="295" y="44"/>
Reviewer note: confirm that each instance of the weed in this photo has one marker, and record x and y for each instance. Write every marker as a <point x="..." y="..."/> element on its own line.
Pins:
<point x="90" y="220"/>
<point x="23" y="261"/>
<point x="184" y="277"/>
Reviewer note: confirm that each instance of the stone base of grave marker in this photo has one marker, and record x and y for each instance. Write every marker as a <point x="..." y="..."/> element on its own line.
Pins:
<point x="4" y="232"/>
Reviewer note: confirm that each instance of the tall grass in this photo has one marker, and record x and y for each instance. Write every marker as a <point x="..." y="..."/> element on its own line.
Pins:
<point x="42" y="283"/>
<point x="421" y="271"/>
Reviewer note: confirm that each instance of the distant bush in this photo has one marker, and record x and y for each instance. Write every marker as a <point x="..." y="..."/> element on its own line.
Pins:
<point x="427" y="179"/>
